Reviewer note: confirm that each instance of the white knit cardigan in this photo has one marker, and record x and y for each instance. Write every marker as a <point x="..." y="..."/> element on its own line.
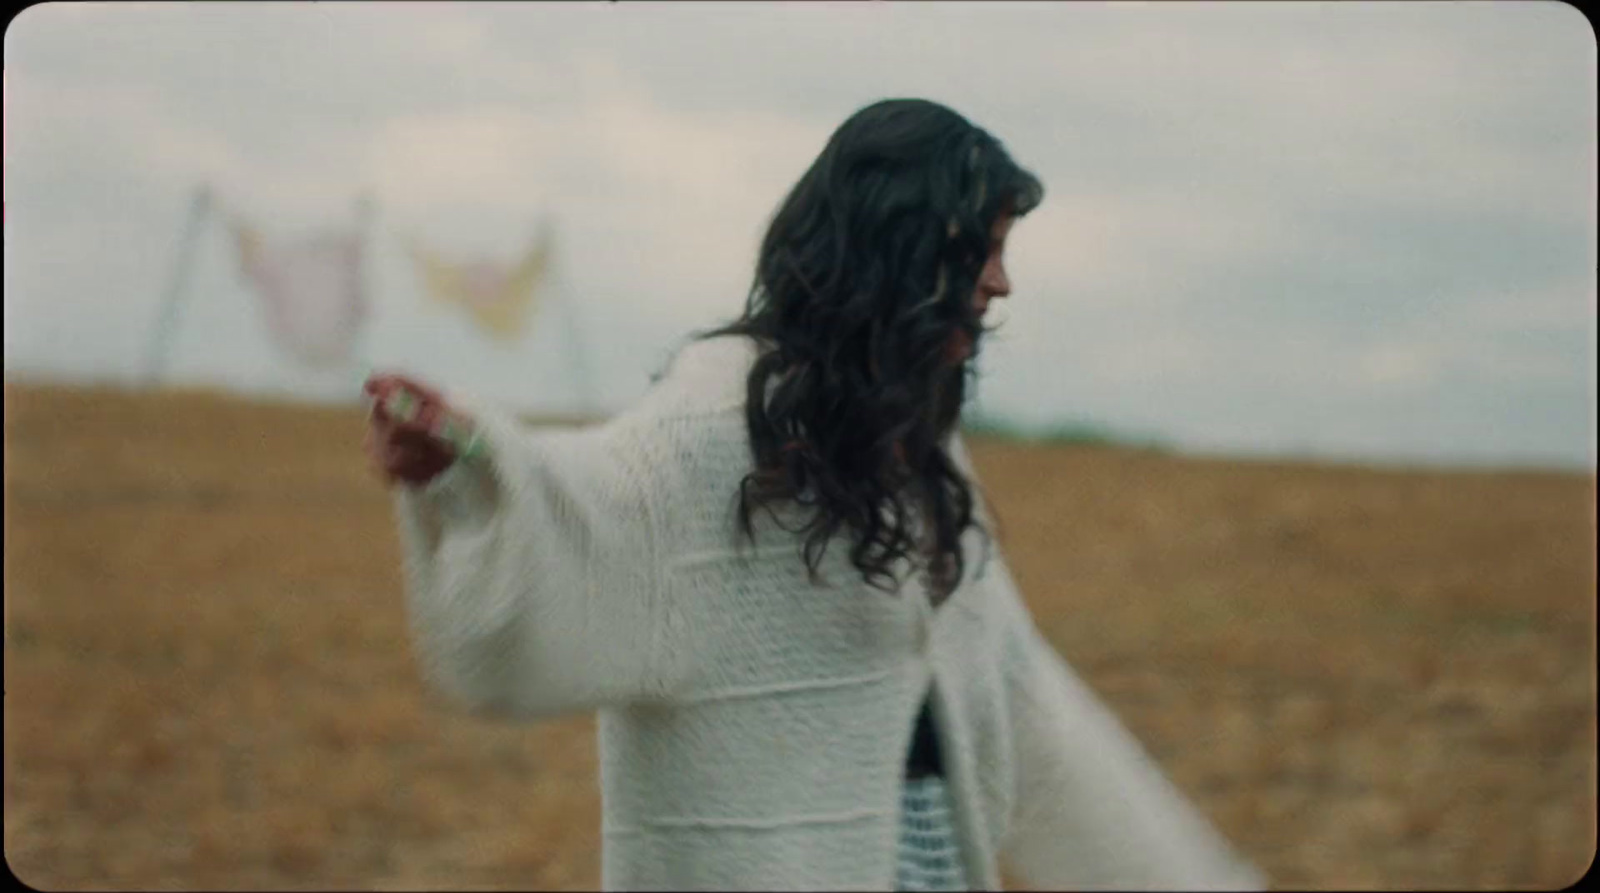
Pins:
<point x="753" y="727"/>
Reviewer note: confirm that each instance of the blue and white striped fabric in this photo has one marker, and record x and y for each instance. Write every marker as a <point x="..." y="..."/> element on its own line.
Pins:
<point x="929" y="857"/>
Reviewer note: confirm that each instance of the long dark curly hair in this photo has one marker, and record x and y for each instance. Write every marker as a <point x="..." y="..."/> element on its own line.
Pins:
<point x="865" y="274"/>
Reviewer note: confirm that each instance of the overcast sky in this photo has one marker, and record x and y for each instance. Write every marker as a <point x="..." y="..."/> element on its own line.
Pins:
<point x="1362" y="231"/>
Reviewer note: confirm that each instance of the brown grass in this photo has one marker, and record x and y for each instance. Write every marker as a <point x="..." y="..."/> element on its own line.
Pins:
<point x="1369" y="679"/>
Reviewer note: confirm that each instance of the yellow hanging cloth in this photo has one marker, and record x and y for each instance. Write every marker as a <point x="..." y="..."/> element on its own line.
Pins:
<point x="500" y="299"/>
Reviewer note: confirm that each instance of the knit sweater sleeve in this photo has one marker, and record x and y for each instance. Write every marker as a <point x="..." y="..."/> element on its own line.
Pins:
<point x="529" y="572"/>
<point x="1091" y="810"/>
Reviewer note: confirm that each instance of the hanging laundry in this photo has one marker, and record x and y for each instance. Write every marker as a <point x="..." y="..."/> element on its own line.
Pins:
<point x="499" y="296"/>
<point x="311" y="288"/>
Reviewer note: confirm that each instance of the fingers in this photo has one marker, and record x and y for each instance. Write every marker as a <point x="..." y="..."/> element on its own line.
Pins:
<point x="379" y="388"/>
<point x="404" y="417"/>
<point x="379" y="381"/>
<point x="384" y="448"/>
<point x="413" y="439"/>
<point x="402" y="401"/>
<point x="412" y="436"/>
<point x="381" y="384"/>
<point x="381" y="459"/>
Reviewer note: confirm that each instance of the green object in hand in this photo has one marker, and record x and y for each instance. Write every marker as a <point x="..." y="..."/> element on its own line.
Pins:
<point x="464" y="440"/>
<point x="401" y="405"/>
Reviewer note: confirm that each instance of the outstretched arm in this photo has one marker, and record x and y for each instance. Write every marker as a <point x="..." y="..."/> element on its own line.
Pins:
<point x="1092" y="810"/>
<point x="529" y="571"/>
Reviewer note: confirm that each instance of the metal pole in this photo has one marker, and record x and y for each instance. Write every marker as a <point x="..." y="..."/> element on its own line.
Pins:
<point x="183" y="263"/>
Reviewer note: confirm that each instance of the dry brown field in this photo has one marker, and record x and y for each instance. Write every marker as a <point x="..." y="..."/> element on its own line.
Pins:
<point x="1368" y="678"/>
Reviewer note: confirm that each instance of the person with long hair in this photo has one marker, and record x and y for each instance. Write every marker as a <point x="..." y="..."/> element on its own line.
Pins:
<point x="774" y="576"/>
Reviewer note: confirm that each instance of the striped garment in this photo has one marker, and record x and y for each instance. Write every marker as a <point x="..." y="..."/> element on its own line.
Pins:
<point x="929" y="857"/>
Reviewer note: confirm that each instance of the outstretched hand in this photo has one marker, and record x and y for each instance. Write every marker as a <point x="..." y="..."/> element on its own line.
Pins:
<point x="403" y="440"/>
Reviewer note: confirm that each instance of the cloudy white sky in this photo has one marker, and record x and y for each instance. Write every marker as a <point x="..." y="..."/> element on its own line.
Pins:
<point x="1363" y="231"/>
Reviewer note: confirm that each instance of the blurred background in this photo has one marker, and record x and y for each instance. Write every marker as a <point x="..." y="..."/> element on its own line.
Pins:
<point x="1291" y="417"/>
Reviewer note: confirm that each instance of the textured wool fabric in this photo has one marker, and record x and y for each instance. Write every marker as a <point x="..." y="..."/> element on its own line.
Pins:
<point x="753" y="727"/>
